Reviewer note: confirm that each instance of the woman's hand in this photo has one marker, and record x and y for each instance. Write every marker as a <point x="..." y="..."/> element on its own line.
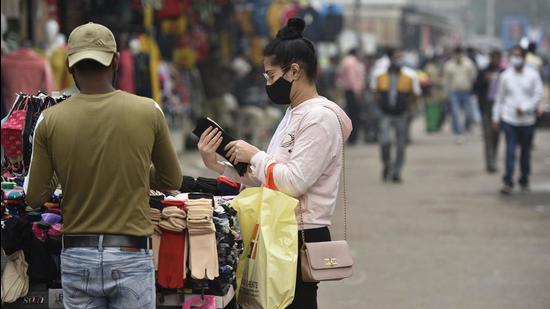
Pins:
<point x="240" y="151"/>
<point x="209" y="141"/>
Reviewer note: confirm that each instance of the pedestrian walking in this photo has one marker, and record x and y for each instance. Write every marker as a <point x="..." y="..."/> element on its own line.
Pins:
<point x="519" y="93"/>
<point x="108" y="148"/>
<point x="351" y="79"/>
<point x="532" y="58"/>
<point x="459" y="76"/>
<point x="304" y="158"/>
<point x="396" y="88"/>
<point x="485" y="89"/>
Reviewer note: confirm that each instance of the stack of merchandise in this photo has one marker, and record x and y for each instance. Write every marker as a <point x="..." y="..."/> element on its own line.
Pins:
<point x="197" y="240"/>
<point x="31" y="241"/>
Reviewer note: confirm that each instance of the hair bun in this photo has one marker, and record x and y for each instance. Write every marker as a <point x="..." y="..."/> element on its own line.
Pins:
<point x="297" y="24"/>
<point x="294" y="29"/>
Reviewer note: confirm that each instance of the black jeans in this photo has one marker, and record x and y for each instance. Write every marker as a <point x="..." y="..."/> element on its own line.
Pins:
<point x="353" y="109"/>
<point x="305" y="295"/>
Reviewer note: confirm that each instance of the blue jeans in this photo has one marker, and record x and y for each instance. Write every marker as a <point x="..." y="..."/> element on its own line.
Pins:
<point x="522" y="136"/>
<point x="107" y="278"/>
<point x="388" y="123"/>
<point x="461" y="101"/>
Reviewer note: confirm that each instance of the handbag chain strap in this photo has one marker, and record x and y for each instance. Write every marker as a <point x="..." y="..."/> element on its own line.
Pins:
<point x="344" y="192"/>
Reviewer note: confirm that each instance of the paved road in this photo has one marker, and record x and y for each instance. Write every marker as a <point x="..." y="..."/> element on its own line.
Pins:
<point x="445" y="238"/>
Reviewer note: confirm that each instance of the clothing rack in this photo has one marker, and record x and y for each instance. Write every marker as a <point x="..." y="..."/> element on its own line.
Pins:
<point x="33" y="105"/>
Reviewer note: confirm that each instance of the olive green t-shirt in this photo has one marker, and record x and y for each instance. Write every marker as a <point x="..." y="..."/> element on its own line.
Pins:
<point x="101" y="148"/>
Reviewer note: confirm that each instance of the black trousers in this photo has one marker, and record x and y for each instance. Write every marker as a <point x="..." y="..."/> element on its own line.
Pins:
<point x="353" y="109"/>
<point x="305" y="295"/>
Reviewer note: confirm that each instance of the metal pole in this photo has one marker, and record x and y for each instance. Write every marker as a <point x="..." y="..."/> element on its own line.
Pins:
<point x="490" y="20"/>
<point x="357" y="18"/>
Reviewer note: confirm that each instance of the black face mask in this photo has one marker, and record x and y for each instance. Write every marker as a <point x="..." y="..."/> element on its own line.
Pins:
<point x="279" y="91"/>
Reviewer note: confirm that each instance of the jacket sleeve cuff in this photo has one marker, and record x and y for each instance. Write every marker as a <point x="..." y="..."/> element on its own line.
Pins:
<point x="259" y="158"/>
<point x="259" y="163"/>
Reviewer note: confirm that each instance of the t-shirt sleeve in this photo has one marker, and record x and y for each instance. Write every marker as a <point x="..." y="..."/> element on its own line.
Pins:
<point x="38" y="183"/>
<point x="166" y="173"/>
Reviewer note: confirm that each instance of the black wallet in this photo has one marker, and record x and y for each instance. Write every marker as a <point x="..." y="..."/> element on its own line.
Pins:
<point x="202" y="125"/>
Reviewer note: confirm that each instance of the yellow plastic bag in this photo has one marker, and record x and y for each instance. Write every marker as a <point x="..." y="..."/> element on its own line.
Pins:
<point x="266" y="275"/>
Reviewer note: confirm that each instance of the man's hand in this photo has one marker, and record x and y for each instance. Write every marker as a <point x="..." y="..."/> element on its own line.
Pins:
<point x="540" y="110"/>
<point x="496" y="125"/>
<point x="519" y="111"/>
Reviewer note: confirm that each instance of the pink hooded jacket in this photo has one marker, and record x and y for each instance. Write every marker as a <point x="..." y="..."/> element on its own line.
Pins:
<point x="304" y="159"/>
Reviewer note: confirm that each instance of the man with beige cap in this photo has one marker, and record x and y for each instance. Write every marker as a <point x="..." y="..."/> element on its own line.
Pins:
<point x="108" y="148"/>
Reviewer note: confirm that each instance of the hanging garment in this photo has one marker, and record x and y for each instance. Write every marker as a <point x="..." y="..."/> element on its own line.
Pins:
<point x="171" y="265"/>
<point x="142" y="75"/>
<point x="332" y="14"/>
<point x="126" y="77"/>
<point x="12" y="130"/>
<point x="203" y="254"/>
<point x="274" y="13"/>
<point x="172" y="8"/>
<point x="24" y="71"/>
<point x="62" y="78"/>
<point x="259" y="16"/>
<point x="291" y="10"/>
<point x="150" y="48"/>
<point x="314" y="23"/>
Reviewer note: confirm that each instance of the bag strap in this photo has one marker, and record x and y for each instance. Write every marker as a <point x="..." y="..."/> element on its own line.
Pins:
<point x="344" y="191"/>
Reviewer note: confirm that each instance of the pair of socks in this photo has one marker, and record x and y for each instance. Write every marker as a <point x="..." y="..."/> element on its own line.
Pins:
<point x="203" y="259"/>
<point x="172" y="257"/>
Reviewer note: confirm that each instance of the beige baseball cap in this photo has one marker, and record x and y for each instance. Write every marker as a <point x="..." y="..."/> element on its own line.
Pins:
<point x="91" y="41"/>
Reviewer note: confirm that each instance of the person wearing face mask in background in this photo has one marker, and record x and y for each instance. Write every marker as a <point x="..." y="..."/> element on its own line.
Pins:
<point x="395" y="88"/>
<point x="519" y="93"/>
<point x="459" y="74"/>
<point x="485" y="88"/>
<point x="304" y="157"/>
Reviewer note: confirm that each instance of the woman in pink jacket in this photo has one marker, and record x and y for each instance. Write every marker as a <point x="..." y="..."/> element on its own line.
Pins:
<point x="304" y="158"/>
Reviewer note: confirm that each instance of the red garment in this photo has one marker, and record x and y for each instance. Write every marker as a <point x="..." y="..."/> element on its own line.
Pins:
<point x="291" y="10"/>
<point x="24" y="71"/>
<point x="126" y="79"/>
<point x="173" y="8"/>
<point x="171" y="260"/>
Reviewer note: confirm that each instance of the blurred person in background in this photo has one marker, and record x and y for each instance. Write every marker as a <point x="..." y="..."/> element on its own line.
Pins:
<point x="396" y="89"/>
<point x="433" y="69"/>
<point x="218" y="81"/>
<point x="532" y="59"/>
<point x="536" y="62"/>
<point x="485" y="89"/>
<point x="327" y="80"/>
<point x="459" y="76"/>
<point x="351" y="79"/>
<point x="519" y="94"/>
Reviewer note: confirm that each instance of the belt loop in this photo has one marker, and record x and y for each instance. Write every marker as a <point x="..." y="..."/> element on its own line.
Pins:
<point x="147" y="249"/>
<point x="62" y="243"/>
<point x="100" y="243"/>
